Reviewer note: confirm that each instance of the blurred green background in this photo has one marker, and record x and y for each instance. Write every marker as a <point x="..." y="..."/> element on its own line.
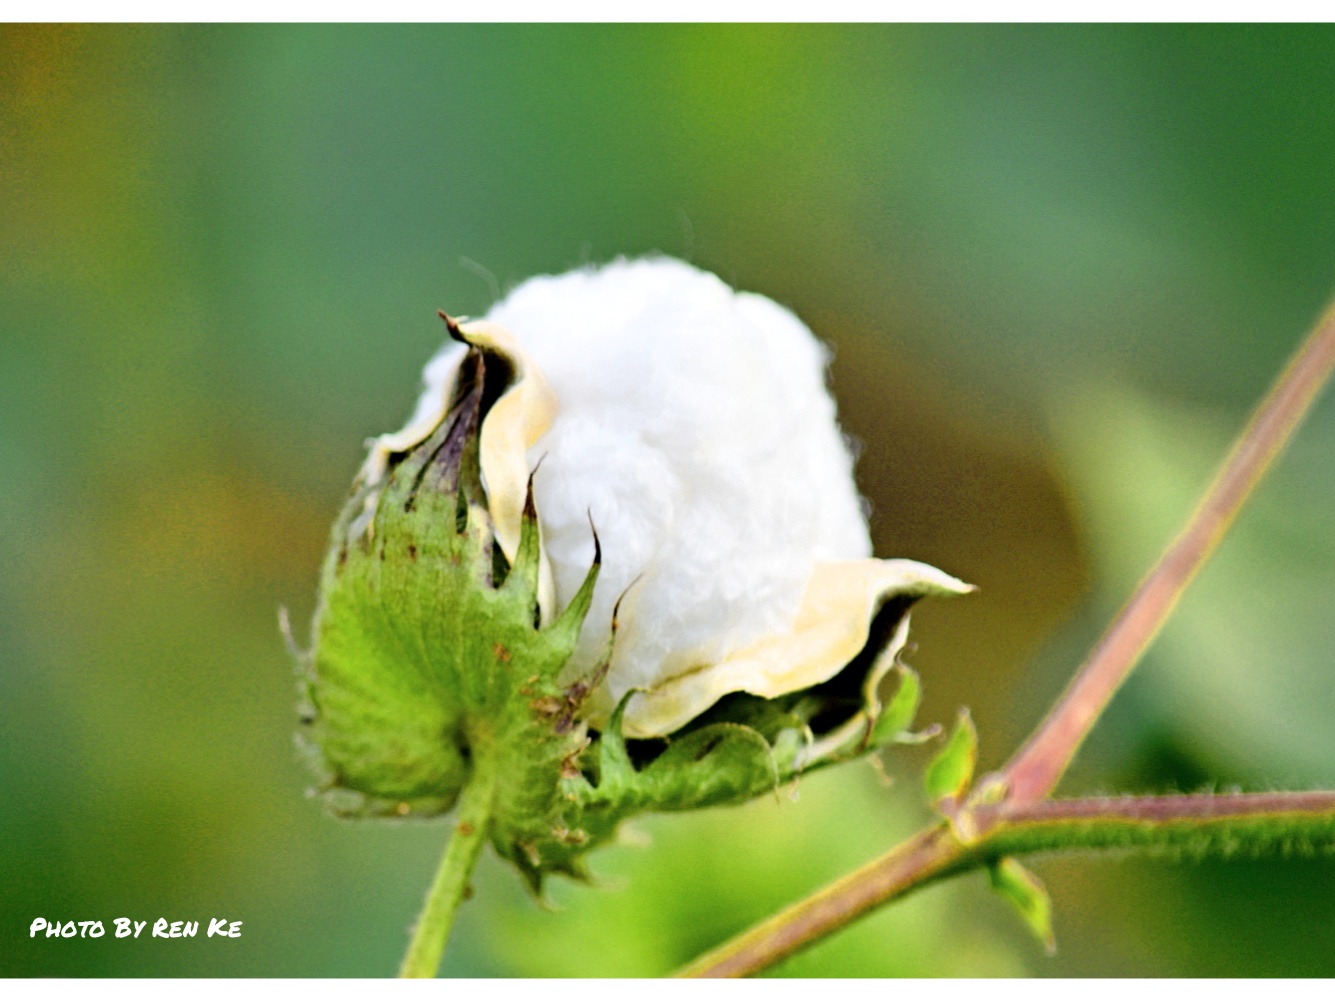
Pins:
<point x="1057" y="266"/>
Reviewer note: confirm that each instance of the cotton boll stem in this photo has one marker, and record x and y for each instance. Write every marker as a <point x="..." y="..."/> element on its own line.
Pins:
<point x="450" y="887"/>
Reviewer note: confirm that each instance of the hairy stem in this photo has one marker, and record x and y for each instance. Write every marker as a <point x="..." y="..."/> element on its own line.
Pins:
<point x="1041" y="762"/>
<point x="450" y="887"/>
<point x="1207" y="824"/>
<point x="1200" y="824"/>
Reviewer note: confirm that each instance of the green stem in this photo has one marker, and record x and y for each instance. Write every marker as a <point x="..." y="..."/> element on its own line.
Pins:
<point x="1224" y="824"/>
<point x="450" y="887"/>
<point x="1201" y="824"/>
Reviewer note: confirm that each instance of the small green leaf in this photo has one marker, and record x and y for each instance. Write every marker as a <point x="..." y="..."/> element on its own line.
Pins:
<point x="1026" y="893"/>
<point x="950" y="772"/>
<point x="895" y="719"/>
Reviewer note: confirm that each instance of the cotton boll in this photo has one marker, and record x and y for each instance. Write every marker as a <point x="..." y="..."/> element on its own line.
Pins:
<point x="694" y="428"/>
<point x="691" y="424"/>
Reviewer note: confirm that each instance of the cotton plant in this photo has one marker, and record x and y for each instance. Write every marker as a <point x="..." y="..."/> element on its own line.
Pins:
<point x="615" y="562"/>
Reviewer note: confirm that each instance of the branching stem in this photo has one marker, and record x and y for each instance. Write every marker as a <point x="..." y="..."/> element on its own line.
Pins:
<point x="1037" y="767"/>
<point x="1198" y="824"/>
<point x="1024" y="821"/>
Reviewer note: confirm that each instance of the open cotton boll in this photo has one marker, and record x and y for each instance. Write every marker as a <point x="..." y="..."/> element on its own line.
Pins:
<point x="458" y="643"/>
<point x="694" y="428"/>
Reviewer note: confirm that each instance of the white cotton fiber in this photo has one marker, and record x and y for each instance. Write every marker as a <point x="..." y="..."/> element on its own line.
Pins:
<point x="694" y="427"/>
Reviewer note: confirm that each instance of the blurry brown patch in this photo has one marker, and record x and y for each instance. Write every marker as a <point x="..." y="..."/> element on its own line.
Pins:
<point x="955" y="486"/>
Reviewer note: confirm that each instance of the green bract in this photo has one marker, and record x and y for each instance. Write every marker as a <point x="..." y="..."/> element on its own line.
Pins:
<point x="432" y="652"/>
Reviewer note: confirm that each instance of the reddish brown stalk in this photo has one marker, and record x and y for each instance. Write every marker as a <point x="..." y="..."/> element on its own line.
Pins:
<point x="1159" y="809"/>
<point x="1221" y="824"/>
<point x="929" y="855"/>
<point x="1037" y="767"/>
